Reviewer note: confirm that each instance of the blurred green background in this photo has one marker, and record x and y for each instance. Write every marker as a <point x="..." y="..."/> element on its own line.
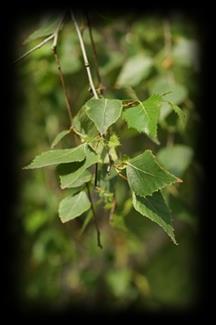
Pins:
<point x="138" y="266"/>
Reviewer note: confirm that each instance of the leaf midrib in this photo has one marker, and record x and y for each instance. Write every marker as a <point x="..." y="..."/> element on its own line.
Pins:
<point x="104" y="114"/>
<point x="137" y="168"/>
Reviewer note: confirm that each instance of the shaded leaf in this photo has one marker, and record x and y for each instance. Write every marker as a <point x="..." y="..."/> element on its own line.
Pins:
<point x="176" y="158"/>
<point x="135" y="70"/>
<point x="103" y="112"/>
<point x="73" y="206"/>
<point x="117" y="221"/>
<point x="145" y="175"/>
<point x="84" y="125"/>
<point x="175" y="92"/>
<point x="154" y="208"/>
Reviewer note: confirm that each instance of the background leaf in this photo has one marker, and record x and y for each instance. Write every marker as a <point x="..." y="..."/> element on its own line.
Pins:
<point x="175" y="158"/>
<point x="134" y="71"/>
<point x="176" y="92"/>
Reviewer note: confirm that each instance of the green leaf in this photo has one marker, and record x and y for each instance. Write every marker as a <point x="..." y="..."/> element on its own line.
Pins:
<point x="47" y="27"/>
<point x="119" y="282"/>
<point x="59" y="137"/>
<point x="154" y="208"/>
<point x="176" y="158"/>
<point x="135" y="70"/>
<point x="76" y="174"/>
<point x="145" y="175"/>
<point x="185" y="52"/>
<point x="103" y="112"/>
<point x="73" y="206"/>
<point x="57" y="156"/>
<point x="144" y="117"/>
<point x="180" y="113"/>
<point x="82" y="179"/>
<point x="84" y="125"/>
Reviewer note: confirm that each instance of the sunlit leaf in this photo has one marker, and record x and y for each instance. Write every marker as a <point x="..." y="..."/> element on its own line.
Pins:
<point x="103" y="112"/>
<point x="73" y="206"/>
<point x="57" y="156"/>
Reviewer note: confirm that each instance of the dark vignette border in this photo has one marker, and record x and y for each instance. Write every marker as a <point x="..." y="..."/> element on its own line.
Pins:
<point x="10" y="21"/>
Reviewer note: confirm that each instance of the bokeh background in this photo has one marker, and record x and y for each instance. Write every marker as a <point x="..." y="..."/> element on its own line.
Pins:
<point x="138" y="266"/>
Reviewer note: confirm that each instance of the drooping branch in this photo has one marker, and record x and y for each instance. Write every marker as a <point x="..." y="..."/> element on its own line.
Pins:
<point x="46" y="40"/>
<point x="85" y="58"/>
<point x="95" y="217"/>
<point x="61" y="76"/>
<point x="94" y="51"/>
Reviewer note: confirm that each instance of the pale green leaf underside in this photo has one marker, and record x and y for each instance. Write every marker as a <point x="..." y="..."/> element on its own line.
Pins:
<point x="59" y="137"/>
<point x="73" y="206"/>
<point x="144" y="117"/>
<point x="84" y="178"/>
<point x="176" y="158"/>
<point x="103" y="112"/>
<point x="145" y="175"/>
<point x="154" y="208"/>
<point x="71" y="179"/>
<point x="58" y="156"/>
<point x="76" y="178"/>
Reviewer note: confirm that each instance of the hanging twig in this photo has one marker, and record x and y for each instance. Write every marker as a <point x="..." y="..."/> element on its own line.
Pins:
<point x="96" y="175"/>
<point x="94" y="53"/>
<point x="61" y="76"/>
<point x="95" y="217"/>
<point x="88" y="70"/>
<point x="85" y="58"/>
<point x="35" y="48"/>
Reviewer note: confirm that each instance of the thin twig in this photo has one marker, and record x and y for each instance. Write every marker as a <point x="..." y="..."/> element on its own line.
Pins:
<point x="122" y="176"/>
<point x="35" y="48"/>
<point x="114" y="203"/>
<point x="61" y="76"/>
<point x="96" y="175"/>
<point x="85" y="58"/>
<point x="95" y="217"/>
<point x="94" y="50"/>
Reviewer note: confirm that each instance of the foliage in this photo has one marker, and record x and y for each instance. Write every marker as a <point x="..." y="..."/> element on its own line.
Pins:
<point x="129" y="147"/>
